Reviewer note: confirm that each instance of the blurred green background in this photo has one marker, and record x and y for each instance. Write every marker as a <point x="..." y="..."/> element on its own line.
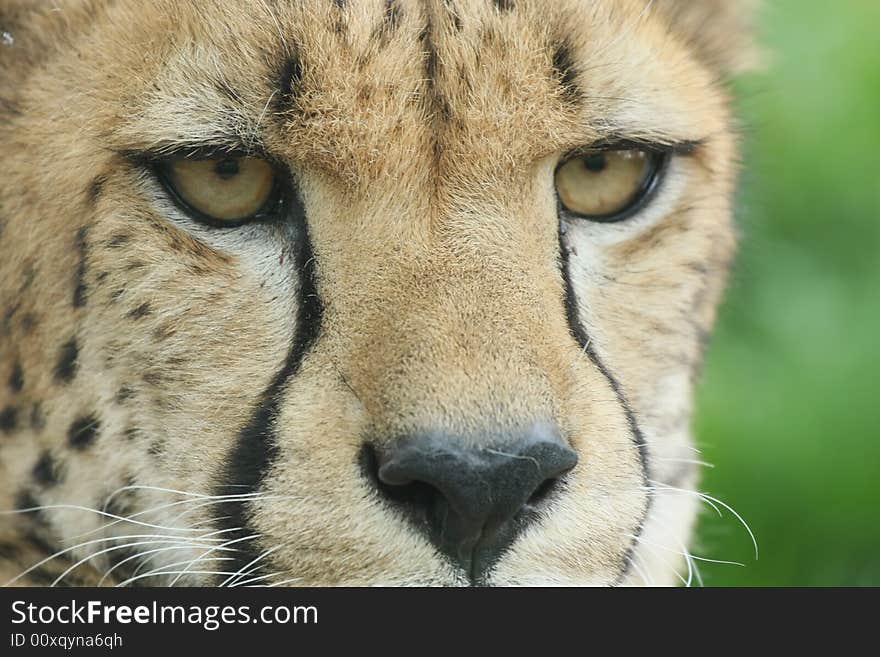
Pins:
<point x="788" y="408"/>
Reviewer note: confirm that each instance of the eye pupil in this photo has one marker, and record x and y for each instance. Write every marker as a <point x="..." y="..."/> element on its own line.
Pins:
<point x="595" y="163"/>
<point x="227" y="168"/>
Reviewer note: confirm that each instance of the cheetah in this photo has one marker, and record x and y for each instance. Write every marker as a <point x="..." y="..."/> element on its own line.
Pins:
<point x="359" y="292"/>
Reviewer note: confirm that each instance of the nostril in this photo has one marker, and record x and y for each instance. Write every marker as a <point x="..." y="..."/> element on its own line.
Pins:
<point x="414" y="495"/>
<point x="543" y="491"/>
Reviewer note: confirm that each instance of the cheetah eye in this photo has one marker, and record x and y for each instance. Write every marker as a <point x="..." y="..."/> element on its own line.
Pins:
<point x="608" y="185"/>
<point x="224" y="190"/>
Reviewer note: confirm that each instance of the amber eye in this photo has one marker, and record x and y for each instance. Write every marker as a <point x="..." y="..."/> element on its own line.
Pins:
<point x="608" y="185"/>
<point x="224" y="190"/>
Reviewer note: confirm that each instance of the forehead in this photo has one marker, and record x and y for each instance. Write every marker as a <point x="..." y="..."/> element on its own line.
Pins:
<point x="343" y="84"/>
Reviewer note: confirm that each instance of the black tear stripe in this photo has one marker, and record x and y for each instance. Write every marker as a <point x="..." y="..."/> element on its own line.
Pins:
<point x="257" y="448"/>
<point x="583" y="339"/>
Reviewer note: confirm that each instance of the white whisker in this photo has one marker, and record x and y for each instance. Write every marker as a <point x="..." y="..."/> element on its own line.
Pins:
<point x="646" y="579"/>
<point x="75" y="507"/>
<point x="141" y="555"/>
<point x="147" y="562"/>
<point x="253" y="562"/>
<point x="654" y="490"/>
<point x="231" y="542"/>
<point x="284" y="581"/>
<point x="81" y="545"/>
<point x="254" y="579"/>
<point x="704" y="464"/>
<point x="113" y="548"/>
<point x="160" y="573"/>
<point x="709" y="499"/>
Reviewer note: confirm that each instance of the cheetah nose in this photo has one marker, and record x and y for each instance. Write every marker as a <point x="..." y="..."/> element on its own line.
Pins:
<point x="473" y="497"/>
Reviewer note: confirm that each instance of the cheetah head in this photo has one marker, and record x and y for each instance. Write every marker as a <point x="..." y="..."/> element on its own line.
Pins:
<point x="360" y="292"/>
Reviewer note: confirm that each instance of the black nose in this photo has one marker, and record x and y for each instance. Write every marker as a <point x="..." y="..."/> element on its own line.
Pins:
<point x="472" y="496"/>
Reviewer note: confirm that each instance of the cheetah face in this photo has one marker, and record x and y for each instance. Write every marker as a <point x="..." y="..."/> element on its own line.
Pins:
<point x="360" y="292"/>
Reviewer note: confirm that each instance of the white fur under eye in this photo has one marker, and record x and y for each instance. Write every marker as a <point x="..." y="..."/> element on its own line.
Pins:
<point x="257" y="247"/>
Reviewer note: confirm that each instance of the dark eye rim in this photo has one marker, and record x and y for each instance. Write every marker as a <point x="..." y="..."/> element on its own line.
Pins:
<point x="660" y="158"/>
<point x="272" y="210"/>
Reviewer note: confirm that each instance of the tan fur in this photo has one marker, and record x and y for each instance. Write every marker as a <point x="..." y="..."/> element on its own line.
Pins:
<point x="429" y="193"/>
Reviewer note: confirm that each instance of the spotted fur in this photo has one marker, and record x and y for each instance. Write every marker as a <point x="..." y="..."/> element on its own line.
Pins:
<point x="212" y="390"/>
